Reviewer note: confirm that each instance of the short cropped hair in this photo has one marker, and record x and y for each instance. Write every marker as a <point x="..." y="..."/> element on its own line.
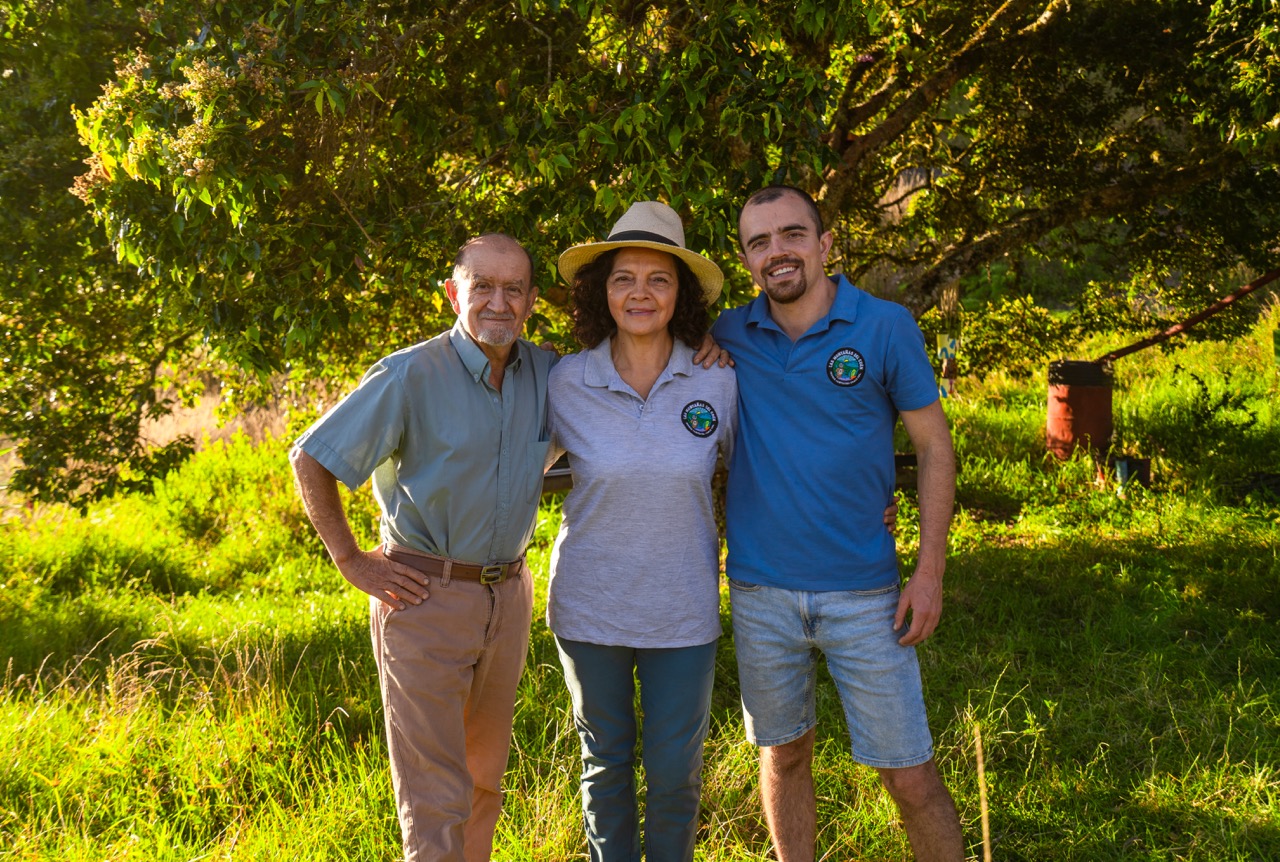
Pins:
<point x="769" y="194"/>
<point x="460" y="268"/>
<point x="592" y="322"/>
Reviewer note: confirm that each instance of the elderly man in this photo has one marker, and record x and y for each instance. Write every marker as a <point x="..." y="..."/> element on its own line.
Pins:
<point x="454" y="433"/>
<point x="824" y="371"/>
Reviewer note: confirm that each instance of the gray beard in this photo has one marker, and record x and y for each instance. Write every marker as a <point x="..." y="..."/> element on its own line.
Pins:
<point x="496" y="336"/>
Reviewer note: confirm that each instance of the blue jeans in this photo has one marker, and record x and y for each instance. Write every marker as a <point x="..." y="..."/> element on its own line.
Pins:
<point x="675" y="701"/>
<point x="778" y="635"/>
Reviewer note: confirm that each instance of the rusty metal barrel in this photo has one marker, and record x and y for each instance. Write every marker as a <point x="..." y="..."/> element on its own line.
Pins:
<point x="1079" y="411"/>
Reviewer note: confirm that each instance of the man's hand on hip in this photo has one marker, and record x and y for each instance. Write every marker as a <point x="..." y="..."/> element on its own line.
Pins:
<point x="386" y="580"/>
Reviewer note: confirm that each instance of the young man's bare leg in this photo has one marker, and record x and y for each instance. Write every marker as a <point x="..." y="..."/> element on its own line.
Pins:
<point x="928" y="813"/>
<point x="786" y="791"/>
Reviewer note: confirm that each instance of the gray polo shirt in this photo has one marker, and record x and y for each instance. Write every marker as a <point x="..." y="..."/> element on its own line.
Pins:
<point x="637" y="560"/>
<point x="456" y="465"/>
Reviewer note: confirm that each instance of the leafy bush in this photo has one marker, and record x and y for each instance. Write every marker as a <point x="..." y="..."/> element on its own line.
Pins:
<point x="1014" y="335"/>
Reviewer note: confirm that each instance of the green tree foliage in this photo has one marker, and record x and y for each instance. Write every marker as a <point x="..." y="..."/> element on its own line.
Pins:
<point x="289" y="180"/>
<point x="84" y="336"/>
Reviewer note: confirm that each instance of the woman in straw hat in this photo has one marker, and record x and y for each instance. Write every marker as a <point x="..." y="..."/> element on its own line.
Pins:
<point x="635" y="571"/>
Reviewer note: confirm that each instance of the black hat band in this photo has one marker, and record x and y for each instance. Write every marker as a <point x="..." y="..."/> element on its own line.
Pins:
<point x="641" y="235"/>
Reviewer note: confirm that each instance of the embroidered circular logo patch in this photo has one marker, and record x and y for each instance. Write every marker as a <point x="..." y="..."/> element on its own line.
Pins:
<point x="846" y="367"/>
<point x="700" y="418"/>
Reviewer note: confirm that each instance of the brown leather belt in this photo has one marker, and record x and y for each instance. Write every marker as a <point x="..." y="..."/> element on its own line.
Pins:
<point x="430" y="564"/>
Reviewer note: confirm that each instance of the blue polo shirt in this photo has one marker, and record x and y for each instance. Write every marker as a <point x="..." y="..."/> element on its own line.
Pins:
<point x="812" y="470"/>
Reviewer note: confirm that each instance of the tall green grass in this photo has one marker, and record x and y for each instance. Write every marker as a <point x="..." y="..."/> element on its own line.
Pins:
<point x="185" y="675"/>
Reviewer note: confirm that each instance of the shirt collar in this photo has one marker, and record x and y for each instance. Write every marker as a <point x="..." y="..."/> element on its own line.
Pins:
<point x="600" y="371"/>
<point x="847" y="300"/>
<point x="843" y="307"/>
<point x="474" y="359"/>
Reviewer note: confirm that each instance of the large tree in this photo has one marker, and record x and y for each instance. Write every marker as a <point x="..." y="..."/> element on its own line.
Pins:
<point x="85" y="338"/>
<point x="289" y="179"/>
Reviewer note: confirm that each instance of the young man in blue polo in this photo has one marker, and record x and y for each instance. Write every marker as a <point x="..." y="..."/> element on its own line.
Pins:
<point x="824" y="371"/>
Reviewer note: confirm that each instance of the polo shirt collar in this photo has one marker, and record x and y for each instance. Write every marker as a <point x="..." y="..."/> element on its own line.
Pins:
<point x="473" y="358"/>
<point x="847" y="300"/>
<point x="600" y="371"/>
<point x="844" y="307"/>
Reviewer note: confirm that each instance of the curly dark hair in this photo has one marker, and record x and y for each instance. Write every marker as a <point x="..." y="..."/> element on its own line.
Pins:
<point x="592" y="322"/>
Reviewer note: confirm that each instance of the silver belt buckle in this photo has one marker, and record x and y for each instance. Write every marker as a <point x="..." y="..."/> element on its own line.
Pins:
<point x="492" y="574"/>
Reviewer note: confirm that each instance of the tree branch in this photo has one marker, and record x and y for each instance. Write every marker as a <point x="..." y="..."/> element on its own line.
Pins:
<point x="1177" y="329"/>
<point x="855" y="149"/>
<point x="848" y="117"/>
<point x="963" y="257"/>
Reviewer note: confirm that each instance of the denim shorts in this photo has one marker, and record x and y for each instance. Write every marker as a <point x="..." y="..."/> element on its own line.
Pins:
<point x="778" y="635"/>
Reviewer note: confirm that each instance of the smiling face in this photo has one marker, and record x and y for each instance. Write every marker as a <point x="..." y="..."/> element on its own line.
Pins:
<point x="782" y="247"/>
<point x="641" y="289"/>
<point x="492" y="291"/>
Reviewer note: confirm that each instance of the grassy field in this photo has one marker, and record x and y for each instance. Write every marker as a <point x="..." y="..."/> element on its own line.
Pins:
<point x="185" y="677"/>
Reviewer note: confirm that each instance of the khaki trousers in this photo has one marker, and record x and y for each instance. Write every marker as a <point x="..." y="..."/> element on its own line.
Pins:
<point x="448" y="669"/>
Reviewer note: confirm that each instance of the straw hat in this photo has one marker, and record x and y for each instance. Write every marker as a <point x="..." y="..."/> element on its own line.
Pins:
<point x="647" y="224"/>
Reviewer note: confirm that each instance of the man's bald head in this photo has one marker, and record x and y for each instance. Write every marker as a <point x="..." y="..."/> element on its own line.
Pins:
<point x="500" y="243"/>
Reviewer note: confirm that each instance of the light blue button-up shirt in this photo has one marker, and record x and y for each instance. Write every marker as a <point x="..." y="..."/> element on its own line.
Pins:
<point x="457" y="465"/>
